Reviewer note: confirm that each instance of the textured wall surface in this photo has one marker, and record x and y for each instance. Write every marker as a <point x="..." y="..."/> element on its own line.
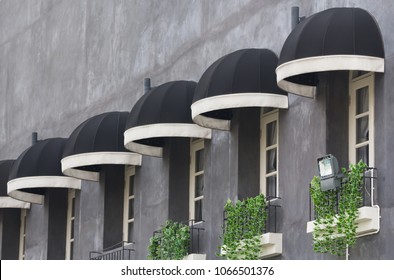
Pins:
<point x="64" y="61"/>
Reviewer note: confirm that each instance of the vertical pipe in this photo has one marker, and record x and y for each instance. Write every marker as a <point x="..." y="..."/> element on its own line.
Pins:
<point x="34" y="138"/>
<point x="147" y="86"/>
<point x="295" y="16"/>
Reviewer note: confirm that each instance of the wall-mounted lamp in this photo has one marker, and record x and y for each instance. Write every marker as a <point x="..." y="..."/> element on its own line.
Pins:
<point x="330" y="178"/>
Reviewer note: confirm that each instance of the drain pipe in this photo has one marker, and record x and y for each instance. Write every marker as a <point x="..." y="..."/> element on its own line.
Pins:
<point x="295" y="17"/>
<point x="34" y="138"/>
<point x="147" y="86"/>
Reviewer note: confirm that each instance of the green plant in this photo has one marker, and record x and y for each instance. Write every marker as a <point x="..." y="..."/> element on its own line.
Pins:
<point x="336" y="212"/>
<point x="245" y="222"/>
<point x="171" y="242"/>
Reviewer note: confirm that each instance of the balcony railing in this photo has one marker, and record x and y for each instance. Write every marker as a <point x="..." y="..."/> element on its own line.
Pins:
<point x="272" y="214"/>
<point x="367" y="188"/>
<point x="119" y="251"/>
<point x="194" y="241"/>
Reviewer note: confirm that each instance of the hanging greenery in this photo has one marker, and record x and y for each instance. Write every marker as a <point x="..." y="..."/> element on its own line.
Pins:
<point x="245" y="222"/>
<point x="336" y="211"/>
<point x="171" y="242"/>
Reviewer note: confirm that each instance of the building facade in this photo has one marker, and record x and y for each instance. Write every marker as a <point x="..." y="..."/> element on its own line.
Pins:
<point x="65" y="64"/>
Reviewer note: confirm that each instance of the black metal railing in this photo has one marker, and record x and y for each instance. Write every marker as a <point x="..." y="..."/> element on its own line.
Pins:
<point x="271" y="209"/>
<point x="194" y="240"/>
<point x="367" y="189"/>
<point x="120" y="251"/>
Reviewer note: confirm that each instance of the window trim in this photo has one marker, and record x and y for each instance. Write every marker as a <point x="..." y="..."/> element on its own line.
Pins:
<point x="195" y="146"/>
<point x="22" y="234"/>
<point x="365" y="80"/>
<point x="70" y="218"/>
<point x="129" y="172"/>
<point x="265" y="119"/>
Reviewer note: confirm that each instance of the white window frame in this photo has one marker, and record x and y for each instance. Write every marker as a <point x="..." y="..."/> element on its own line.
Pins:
<point x="195" y="146"/>
<point x="129" y="172"/>
<point x="22" y="234"/>
<point x="267" y="118"/>
<point x="366" y="80"/>
<point x="70" y="219"/>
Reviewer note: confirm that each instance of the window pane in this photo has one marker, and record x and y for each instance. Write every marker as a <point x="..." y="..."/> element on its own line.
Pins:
<point x="362" y="100"/>
<point x="71" y="250"/>
<point x="271" y="134"/>
<point x="199" y="185"/>
<point x="72" y="229"/>
<point x="130" y="232"/>
<point x="271" y="186"/>
<point x="362" y="153"/>
<point x="73" y="207"/>
<point x="131" y="208"/>
<point x="271" y="161"/>
<point x="131" y="185"/>
<point x="362" y="129"/>
<point x="199" y="160"/>
<point x="198" y="210"/>
<point x="24" y="224"/>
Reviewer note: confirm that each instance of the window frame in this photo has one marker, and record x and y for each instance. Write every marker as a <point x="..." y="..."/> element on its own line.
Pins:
<point x="70" y="219"/>
<point x="196" y="144"/>
<point x="265" y="119"/>
<point x="365" y="80"/>
<point x="129" y="172"/>
<point x="22" y="234"/>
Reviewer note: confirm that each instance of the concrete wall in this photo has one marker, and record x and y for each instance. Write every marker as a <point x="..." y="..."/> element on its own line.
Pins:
<point x="64" y="61"/>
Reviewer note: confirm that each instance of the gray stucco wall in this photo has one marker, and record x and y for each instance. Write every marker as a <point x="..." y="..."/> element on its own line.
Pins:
<point x="64" y="61"/>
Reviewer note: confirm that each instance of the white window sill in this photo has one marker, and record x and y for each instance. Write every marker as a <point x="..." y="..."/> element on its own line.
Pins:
<point x="368" y="221"/>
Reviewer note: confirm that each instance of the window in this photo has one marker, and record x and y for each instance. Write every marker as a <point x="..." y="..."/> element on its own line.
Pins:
<point x="22" y="234"/>
<point x="196" y="190"/>
<point x="269" y="151"/>
<point x="128" y="205"/>
<point x="70" y="224"/>
<point x="361" y="118"/>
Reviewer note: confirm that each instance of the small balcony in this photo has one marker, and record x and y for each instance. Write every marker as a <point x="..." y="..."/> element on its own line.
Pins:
<point x="368" y="220"/>
<point x="270" y="238"/>
<point x="194" y="250"/>
<point x="120" y="251"/>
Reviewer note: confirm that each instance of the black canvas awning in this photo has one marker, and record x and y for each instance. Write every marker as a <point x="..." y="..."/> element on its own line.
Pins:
<point x="38" y="168"/>
<point x="331" y="40"/>
<point x="5" y="200"/>
<point x="162" y="112"/>
<point x="244" y="78"/>
<point x="95" y="142"/>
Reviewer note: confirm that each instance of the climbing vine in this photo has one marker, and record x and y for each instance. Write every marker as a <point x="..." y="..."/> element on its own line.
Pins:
<point x="171" y="242"/>
<point x="245" y="222"/>
<point x="336" y="211"/>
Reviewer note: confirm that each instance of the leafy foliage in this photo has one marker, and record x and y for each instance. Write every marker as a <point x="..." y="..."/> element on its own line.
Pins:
<point x="336" y="212"/>
<point x="170" y="243"/>
<point x="245" y="222"/>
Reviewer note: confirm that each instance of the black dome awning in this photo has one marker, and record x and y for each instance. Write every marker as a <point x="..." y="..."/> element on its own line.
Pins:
<point x="95" y="142"/>
<point x="334" y="39"/>
<point x="38" y="168"/>
<point x="244" y="78"/>
<point x="5" y="200"/>
<point x="162" y="112"/>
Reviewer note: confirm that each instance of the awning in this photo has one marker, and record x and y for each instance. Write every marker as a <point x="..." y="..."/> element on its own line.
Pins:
<point x="5" y="200"/>
<point x="38" y="168"/>
<point x="95" y="142"/>
<point x="244" y="78"/>
<point x="162" y="112"/>
<point x="334" y="39"/>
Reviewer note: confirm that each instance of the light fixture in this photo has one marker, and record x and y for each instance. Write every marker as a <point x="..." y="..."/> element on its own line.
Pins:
<point x="330" y="178"/>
